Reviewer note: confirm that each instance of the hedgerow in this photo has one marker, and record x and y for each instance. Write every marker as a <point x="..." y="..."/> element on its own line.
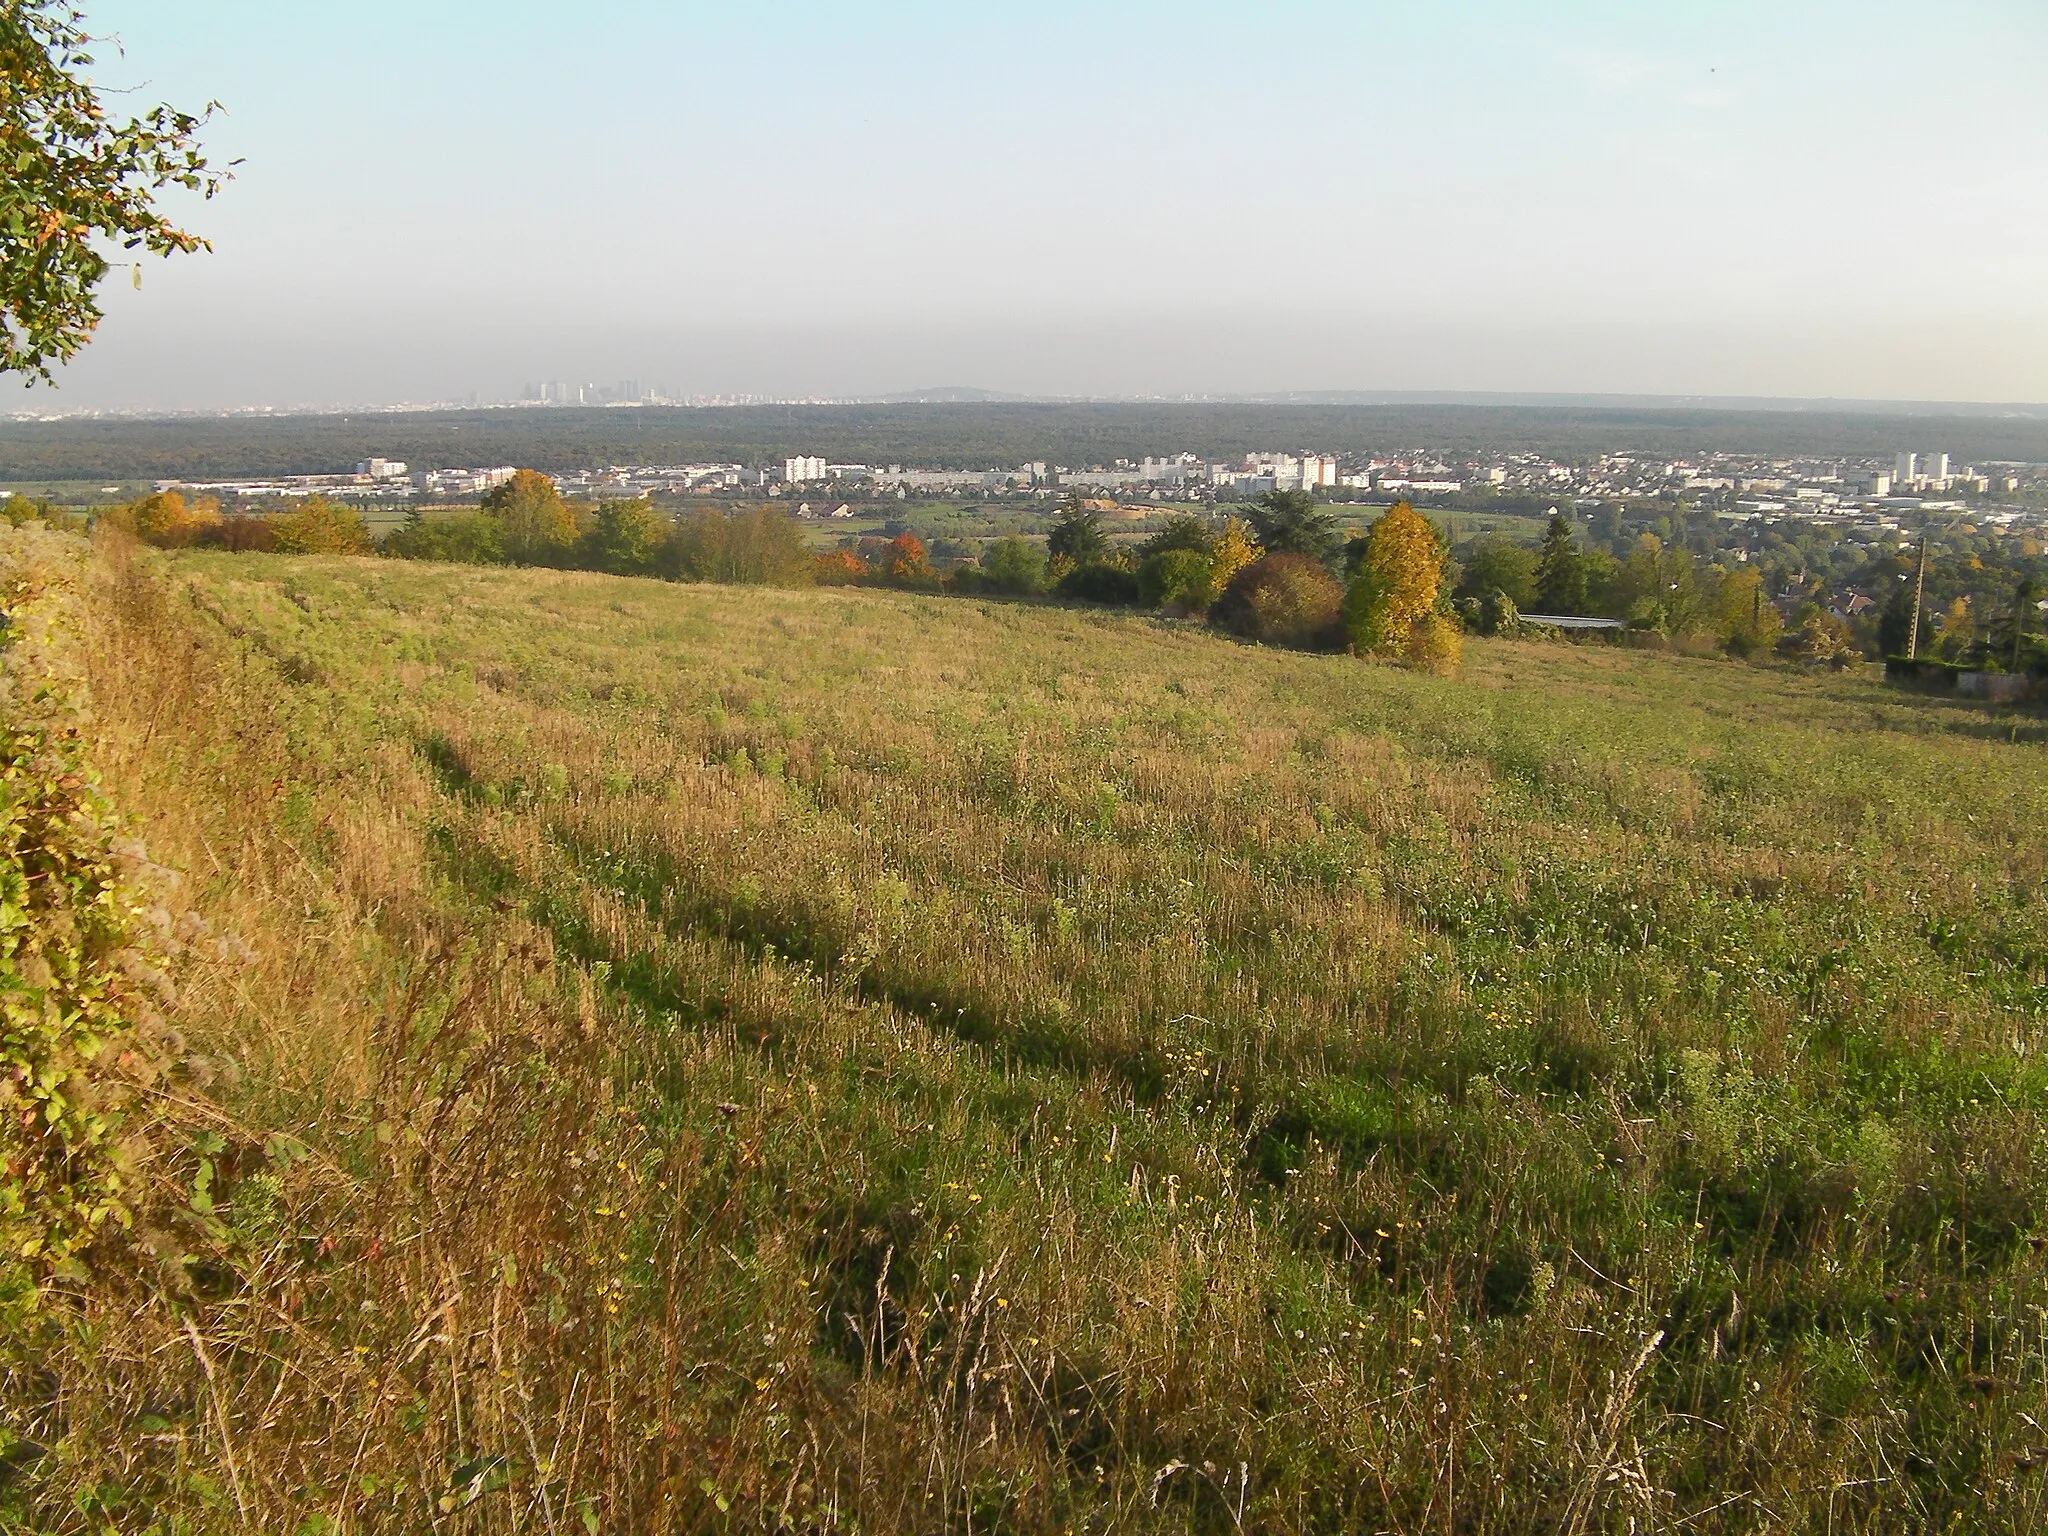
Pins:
<point x="82" y="946"/>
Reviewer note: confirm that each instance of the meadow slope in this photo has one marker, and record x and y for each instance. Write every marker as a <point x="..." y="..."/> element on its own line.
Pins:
<point x="723" y="1058"/>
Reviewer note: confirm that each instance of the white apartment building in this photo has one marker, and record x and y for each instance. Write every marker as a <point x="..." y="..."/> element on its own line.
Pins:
<point x="382" y="469"/>
<point x="803" y="469"/>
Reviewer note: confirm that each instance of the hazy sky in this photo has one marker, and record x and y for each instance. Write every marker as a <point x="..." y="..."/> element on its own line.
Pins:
<point x="1798" y="197"/>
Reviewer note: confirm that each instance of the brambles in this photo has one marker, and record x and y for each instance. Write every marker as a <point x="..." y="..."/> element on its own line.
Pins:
<point x="81" y="980"/>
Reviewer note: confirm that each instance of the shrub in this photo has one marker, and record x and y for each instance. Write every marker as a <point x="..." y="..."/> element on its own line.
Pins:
<point x="1013" y="565"/>
<point x="1282" y="600"/>
<point x="761" y="546"/>
<point x="1368" y="615"/>
<point x="840" y="568"/>
<point x="166" y="519"/>
<point x="81" y="972"/>
<point x="470" y="538"/>
<point x="320" y="527"/>
<point x="1435" y="644"/>
<point x="1175" y="578"/>
<point x="1494" y="614"/>
<point x="1101" y="583"/>
<point x="245" y="534"/>
<point x="626" y="538"/>
<point x="540" y="528"/>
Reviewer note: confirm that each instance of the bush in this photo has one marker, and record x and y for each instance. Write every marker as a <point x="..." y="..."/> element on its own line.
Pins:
<point x="762" y="546"/>
<point x="1283" y="600"/>
<point x="166" y="519"/>
<point x="1369" y="614"/>
<point x="841" y="568"/>
<point x="320" y="527"/>
<point x="1493" y="614"/>
<point x="469" y="538"/>
<point x="245" y="534"/>
<point x="626" y="538"/>
<point x="1176" y="578"/>
<point x="1435" y="644"/>
<point x="79" y="1025"/>
<point x="1101" y="583"/>
<point x="1013" y="565"/>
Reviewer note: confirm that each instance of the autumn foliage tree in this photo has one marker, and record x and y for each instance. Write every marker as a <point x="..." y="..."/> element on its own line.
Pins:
<point x="841" y="568"/>
<point x="906" y="562"/>
<point x="320" y="527"/>
<point x="1397" y="583"/>
<point x="167" y="518"/>
<point x="540" y="527"/>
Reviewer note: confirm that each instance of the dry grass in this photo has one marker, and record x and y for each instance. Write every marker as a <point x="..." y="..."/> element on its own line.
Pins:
<point x="720" y="1058"/>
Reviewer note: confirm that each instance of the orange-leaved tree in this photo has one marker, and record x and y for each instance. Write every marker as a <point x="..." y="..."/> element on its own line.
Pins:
<point x="905" y="560"/>
<point x="842" y="568"/>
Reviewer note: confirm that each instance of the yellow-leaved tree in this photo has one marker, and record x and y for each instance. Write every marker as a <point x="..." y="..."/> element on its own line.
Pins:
<point x="166" y="518"/>
<point x="1235" y="549"/>
<point x="540" y="527"/>
<point x="1750" y="624"/>
<point x="1396" y="585"/>
<point x="320" y="527"/>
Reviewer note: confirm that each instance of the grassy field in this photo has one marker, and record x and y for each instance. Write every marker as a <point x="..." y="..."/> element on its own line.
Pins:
<point x="706" y="1058"/>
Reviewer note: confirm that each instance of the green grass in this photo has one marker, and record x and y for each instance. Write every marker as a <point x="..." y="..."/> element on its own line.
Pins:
<point x="867" y="1061"/>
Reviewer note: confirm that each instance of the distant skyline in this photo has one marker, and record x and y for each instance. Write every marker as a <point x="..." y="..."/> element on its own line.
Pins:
<point x="1808" y="198"/>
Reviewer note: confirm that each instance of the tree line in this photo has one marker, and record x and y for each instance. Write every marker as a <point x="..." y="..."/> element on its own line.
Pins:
<point x="1280" y="571"/>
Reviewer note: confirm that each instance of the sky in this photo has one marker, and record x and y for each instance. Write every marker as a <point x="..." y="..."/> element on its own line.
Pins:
<point x="1817" y="198"/>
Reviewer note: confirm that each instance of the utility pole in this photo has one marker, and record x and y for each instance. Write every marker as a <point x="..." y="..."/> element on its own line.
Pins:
<point x="1919" y="592"/>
